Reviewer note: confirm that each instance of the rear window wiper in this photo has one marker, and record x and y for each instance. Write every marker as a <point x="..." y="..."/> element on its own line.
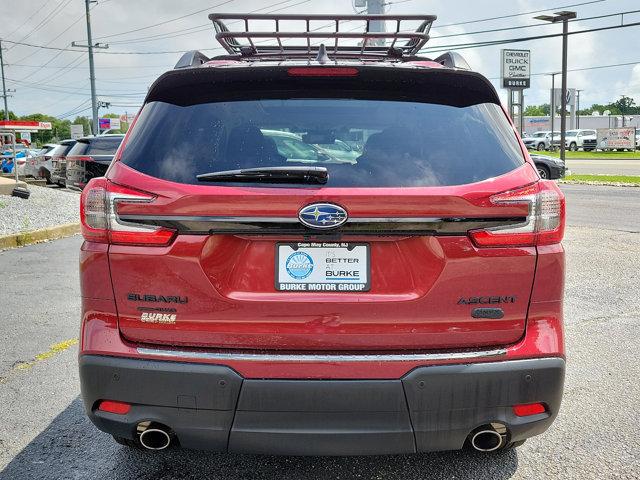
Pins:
<point x="269" y="175"/>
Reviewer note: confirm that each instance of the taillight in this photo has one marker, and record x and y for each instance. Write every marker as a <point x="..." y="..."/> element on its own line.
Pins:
<point x="99" y="216"/>
<point x="544" y="225"/>
<point x="80" y="158"/>
<point x="322" y="72"/>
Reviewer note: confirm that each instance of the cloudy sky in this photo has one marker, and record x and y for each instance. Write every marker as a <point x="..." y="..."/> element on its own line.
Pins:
<point x="56" y="82"/>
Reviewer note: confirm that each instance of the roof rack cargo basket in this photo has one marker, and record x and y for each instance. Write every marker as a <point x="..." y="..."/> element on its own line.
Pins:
<point x="371" y="43"/>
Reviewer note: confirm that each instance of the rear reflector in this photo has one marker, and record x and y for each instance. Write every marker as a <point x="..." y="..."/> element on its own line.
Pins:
<point x="544" y="224"/>
<point x="323" y="72"/>
<point x="529" y="409"/>
<point x="112" y="406"/>
<point x="99" y="216"/>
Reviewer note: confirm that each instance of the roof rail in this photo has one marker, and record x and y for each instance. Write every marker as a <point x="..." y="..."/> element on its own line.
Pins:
<point x="453" y="60"/>
<point x="372" y="44"/>
<point x="192" y="58"/>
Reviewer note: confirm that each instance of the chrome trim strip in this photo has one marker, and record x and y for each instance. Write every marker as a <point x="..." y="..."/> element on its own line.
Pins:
<point x="195" y="218"/>
<point x="237" y="219"/>
<point x="320" y="357"/>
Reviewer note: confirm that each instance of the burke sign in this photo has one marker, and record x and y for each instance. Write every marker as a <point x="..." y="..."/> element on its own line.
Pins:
<point x="516" y="68"/>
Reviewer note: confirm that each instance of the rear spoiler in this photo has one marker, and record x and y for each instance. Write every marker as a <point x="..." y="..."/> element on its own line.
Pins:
<point x="376" y="81"/>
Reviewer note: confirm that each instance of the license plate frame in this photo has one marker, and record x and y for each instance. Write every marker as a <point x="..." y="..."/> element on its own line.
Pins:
<point x="347" y="257"/>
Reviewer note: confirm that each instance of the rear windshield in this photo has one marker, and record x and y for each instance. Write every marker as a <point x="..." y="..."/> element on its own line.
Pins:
<point x="62" y="149"/>
<point x="97" y="146"/>
<point x="362" y="143"/>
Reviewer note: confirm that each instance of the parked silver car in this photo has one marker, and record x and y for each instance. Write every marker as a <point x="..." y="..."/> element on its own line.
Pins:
<point x="40" y="166"/>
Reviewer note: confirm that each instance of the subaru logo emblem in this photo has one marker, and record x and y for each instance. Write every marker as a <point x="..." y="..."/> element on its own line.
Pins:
<point x="322" y="215"/>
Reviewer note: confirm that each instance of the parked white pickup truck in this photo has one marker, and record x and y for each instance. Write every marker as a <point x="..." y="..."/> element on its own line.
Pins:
<point x="576" y="139"/>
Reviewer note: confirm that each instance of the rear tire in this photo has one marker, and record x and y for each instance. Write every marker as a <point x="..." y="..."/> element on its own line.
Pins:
<point x="573" y="147"/>
<point x="544" y="172"/>
<point x="540" y="147"/>
<point x="127" y="442"/>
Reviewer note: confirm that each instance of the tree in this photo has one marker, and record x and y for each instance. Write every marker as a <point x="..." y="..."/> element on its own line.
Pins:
<point x="537" y="110"/>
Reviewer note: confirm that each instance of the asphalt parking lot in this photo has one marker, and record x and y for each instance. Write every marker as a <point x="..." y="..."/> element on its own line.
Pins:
<point x="44" y="433"/>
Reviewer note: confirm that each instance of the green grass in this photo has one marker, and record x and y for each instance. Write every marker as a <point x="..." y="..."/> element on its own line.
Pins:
<point x="604" y="178"/>
<point x="594" y="155"/>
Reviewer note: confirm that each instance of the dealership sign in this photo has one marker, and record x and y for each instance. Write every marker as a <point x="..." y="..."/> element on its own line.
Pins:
<point x="609" y="138"/>
<point x="516" y="68"/>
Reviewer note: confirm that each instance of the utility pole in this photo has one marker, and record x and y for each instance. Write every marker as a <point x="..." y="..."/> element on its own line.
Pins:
<point x="622" y="109"/>
<point x="563" y="17"/>
<point x="4" y="88"/>
<point x="374" y="7"/>
<point x="92" y="73"/>
<point x="578" y="107"/>
<point x="552" y="105"/>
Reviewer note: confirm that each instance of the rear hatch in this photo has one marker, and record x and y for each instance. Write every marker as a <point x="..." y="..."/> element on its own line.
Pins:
<point x="377" y="256"/>
<point x="58" y="160"/>
<point x="90" y="158"/>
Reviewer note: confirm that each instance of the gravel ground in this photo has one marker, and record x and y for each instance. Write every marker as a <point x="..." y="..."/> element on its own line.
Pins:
<point x="46" y="207"/>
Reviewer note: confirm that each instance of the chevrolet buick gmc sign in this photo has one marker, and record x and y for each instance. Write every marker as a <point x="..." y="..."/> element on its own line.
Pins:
<point x="516" y="68"/>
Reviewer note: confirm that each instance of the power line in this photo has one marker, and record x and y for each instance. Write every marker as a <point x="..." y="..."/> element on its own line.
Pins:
<point x="112" y="67"/>
<point x="203" y="27"/>
<point x="84" y="102"/>
<point x="519" y="27"/>
<point x="38" y="10"/>
<point x="62" y="89"/>
<point x="594" y="67"/>
<point x="166" y="21"/>
<point x="517" y="14"/>
<point x="51" y="41"/>
<point x="464" y="46"/>
<point x="56" y="10"/>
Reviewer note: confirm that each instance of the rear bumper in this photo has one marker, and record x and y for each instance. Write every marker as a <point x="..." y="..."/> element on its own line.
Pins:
<point x="212" y="407"/>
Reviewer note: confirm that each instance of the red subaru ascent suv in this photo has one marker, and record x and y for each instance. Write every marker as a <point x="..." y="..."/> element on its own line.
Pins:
<point x="248" y="288"/>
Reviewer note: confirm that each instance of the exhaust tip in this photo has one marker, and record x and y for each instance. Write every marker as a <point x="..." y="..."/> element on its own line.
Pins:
<point x="155" y="439"/>
<point x="487" y="440"/>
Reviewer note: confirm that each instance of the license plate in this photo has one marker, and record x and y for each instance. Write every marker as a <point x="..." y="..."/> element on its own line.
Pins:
<point x="322" y="267"/>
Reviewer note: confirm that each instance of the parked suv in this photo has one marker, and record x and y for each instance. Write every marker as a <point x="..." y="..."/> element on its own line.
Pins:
<point x="89" y="158"/>
<point x="59" y="162"/>
<point x="539" y="140"/>
<point x="238" y="298"/>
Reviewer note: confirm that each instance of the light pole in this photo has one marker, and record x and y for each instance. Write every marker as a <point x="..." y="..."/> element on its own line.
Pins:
<point x="552" y="105"/>
<point x="578" y="107"/>
<point x="563" y="17"/>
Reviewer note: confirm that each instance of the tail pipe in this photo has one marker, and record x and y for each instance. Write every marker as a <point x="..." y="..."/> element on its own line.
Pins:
<point x="154" y="436"/>
<point x="489" y="438"/>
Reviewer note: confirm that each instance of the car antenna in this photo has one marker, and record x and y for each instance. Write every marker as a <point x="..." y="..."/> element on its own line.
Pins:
<point x="322" y="57"/>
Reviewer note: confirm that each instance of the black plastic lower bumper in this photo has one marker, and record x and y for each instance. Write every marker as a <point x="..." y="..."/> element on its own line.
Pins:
<point x="212" y="407"/>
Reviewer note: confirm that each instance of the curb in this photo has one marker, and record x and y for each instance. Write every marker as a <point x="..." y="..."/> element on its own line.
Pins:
<point x="598" y="184"/>
<point x="36" y="236"/>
